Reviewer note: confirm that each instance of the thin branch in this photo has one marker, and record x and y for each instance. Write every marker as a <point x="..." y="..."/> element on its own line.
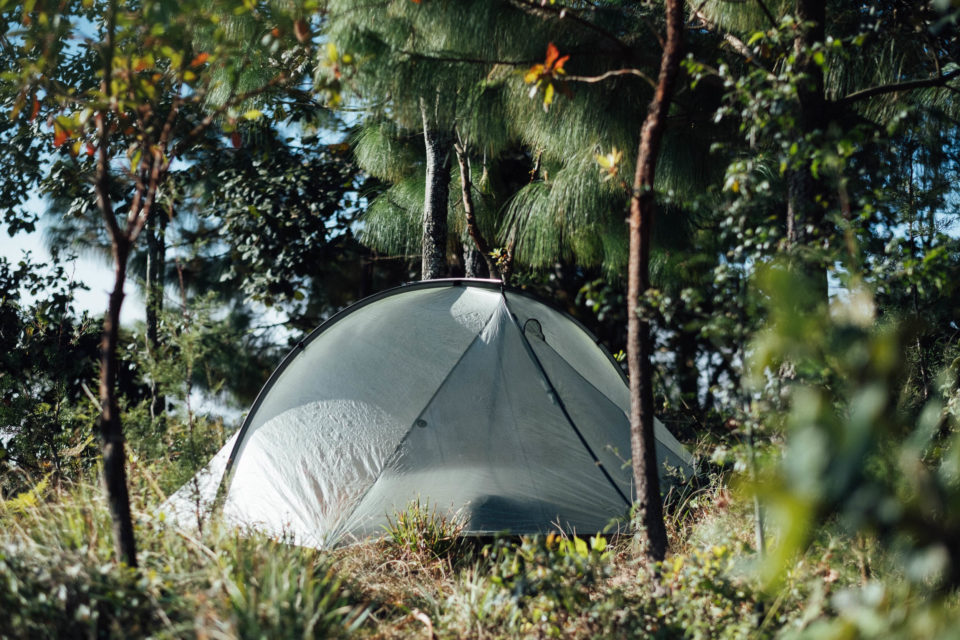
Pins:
<point x="466" y="187"/>
<point x="766" y="12"/>
<point x="102" y="182"/>
<point x="439" y="57"/>
<point x="898" y="87"/>
<point x="736" y="43"/>
<point x="611" y="74"/>
<point x="219" y="111"/>
<point x="536" y="8"/>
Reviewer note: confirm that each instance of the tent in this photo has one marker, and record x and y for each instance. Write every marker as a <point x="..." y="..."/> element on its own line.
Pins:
<point x="466" y="394"/>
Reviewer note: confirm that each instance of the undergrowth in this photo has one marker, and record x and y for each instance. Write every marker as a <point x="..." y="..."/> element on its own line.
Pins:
<point x="423" y="579"/>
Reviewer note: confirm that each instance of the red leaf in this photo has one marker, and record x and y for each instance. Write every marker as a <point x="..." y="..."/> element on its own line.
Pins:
<point x="35" y="109"/>
<point x="90" y="149"/>
<point x="199" y="60"/>
<point x="236" y="140"/>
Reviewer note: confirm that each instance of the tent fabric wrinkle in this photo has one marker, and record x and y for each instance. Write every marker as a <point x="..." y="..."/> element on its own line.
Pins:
<point x="476" y="399"/>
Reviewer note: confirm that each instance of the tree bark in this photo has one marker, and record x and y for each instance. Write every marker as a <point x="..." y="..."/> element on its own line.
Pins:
<point x="474" y="266"/>
<point x="156" y="263"/>
<point x="639" y="342"/>
<point x="434" y="243"/>
<point x="111" y="430"/>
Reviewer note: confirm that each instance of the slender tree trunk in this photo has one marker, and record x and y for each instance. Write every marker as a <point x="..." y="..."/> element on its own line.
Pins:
<point x="111" y="430"/>
<point x="156" y="264"/>
<point x="805" y="215"/>
<point x="483" y="247"/>
<point x="639" y="342"/>
<point x="434" y="246"/>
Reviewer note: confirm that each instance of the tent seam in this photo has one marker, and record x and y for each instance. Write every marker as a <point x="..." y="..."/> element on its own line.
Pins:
<point x="391" y="458"/>
<point x="563" y="408"/>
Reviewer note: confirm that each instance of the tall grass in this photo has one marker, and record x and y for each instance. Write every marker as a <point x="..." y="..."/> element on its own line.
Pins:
<point x="58" y="579"/>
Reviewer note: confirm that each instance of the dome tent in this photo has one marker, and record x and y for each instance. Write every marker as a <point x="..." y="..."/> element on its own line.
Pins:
<point x="474" y="397"/>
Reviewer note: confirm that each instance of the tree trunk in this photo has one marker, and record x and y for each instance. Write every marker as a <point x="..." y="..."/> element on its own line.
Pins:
<point x="805" y="215"/>
<point x="639" y="343"/>
<point x="111" y="430"/>
<point x="474" y="266"/>
<point x="483" y="247"/>
<point x="156" y="264"/>
<point x="434" y="246"/>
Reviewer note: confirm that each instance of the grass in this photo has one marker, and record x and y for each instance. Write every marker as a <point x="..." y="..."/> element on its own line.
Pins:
<point x="58" y="579"/>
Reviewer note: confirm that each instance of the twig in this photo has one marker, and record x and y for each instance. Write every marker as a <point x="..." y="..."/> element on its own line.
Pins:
<point x="610" y="74"/>
<point x="766" y="12"/>
<point x="738" y="45"/>
<point x="91" y="397"/>
<point x="564" y="13"/>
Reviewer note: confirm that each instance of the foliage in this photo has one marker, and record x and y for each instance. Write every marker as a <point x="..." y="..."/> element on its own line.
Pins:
<point x="57" y="580"/>
<point x="423" y="530"/>
<point x="550" y="574"/>
<point x="47" y="355"/>
<point x="854" y="449"/>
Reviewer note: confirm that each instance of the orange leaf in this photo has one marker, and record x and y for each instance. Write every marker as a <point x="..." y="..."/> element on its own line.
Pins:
<point x="35" y="109"/>
<point x="558" y="67"/>
<point x="60" y="135"/>
<point x="90" y="149"/>
<point x="200" y="59"/>
<point x="552" y="55"/>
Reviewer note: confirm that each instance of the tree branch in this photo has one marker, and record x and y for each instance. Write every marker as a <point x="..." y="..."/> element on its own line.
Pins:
<point x="736" y="43"/>
<point x="219" y="111"/>
<point x="611" y="74"/>
<point x="102" y="180"/>
<point x="466" y="187"/>
<point x="898" y="87"/>
<point x="564" y="13"/>
<point x="766" y="12"/>
<point x="440" y="57"/>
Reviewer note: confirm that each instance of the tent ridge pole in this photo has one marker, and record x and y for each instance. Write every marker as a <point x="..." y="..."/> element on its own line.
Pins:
<point x="396" y="451"/>
<point x="563" y="409"/>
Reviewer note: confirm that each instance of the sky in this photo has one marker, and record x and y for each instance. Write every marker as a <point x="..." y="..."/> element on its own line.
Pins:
<point x="94" y="271"/>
